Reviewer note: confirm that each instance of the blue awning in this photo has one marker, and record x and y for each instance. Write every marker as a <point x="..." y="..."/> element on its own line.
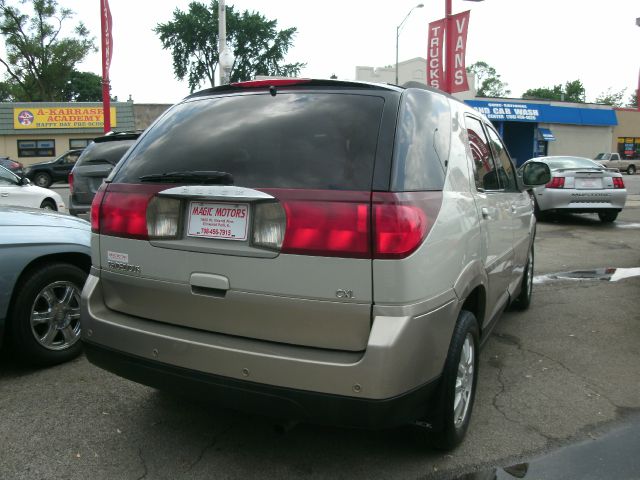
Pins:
<point x="546" y="134"/>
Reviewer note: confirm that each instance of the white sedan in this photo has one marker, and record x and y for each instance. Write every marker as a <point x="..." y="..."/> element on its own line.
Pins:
<point x="17" y="191"/>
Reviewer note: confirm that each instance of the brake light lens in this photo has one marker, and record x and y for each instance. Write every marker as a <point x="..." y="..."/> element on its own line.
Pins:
<point x="556" y="182"/>
<point x="70" y="182"/>
<point x="122" y="210"/>
<point x="381" y="225"/>
<point x="325" y="223"/>
<point x="95" y="208"/>
<point x="402" y="221"/>
<point x="618" y="182"/>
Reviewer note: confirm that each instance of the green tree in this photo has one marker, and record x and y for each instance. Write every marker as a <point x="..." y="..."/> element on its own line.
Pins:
<point x="39" y="62"/>
<point x="611" y="97"/>
<point x="488" y="83"/>
<point x="633" y="100"/>
<point x="83" y="87"/>
<point x="258" y="46"/>
<point x="572" y="91"/>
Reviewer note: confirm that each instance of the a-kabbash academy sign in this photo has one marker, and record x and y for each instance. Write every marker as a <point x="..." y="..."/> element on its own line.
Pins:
<point x="60" y="117"/>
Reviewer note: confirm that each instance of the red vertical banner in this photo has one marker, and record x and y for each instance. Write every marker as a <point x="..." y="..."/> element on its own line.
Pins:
<point x="435" y="70"/>
<point x="458" y="70"/>
<point x="107" y="53"/>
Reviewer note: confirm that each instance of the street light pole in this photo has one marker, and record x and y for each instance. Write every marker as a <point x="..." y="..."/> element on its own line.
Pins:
<point x="638" y="90"/>
<point x="420" y="5"/>
<point x="448" y="48"/>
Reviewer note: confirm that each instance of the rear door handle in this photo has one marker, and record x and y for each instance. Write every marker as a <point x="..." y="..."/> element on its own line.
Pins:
<point x="4" y="194"/>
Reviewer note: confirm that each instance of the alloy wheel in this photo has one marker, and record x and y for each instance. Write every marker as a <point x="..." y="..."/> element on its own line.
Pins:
<point x="55" y="316"/>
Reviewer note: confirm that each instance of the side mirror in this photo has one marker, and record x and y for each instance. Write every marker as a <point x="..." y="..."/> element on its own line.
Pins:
<point x="535" y="174"/>
<point x="25" y="181"/>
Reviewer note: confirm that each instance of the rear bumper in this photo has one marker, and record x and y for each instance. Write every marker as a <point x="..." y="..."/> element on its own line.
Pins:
<point x="387" y="384"/>
<point x="277" y="402"/>
<point x="78" y="209"/>
<point x="580" y="201"/>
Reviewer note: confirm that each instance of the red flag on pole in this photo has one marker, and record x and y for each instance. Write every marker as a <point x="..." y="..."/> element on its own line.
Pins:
<point x="435" y="71"/>
<point x="460" y="24"/>
<point x="107" y="53"/>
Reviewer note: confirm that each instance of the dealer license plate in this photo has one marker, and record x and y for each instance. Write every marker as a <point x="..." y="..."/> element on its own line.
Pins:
<point x="588" y="183"/>
<point x="225" y="221"/>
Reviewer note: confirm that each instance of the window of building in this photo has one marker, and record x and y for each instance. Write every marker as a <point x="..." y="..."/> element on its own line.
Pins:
<point x="79" y="143"/>
<point x="629" y="147"/>
<point x="36" y="148"/>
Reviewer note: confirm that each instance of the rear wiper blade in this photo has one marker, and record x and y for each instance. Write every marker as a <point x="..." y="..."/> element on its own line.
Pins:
<point x="212" y="177"/>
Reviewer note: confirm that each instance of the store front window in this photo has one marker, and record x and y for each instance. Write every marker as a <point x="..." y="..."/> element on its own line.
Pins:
<point x="36" y="148"/>
<point x="629" y="147"/>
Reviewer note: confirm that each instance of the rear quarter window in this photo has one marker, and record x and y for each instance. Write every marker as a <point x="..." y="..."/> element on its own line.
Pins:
<point x="290" y="140"/>
<point x="423" y="140"/>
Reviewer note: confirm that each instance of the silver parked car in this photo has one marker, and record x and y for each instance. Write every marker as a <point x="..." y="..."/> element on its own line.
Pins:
<point x="580" y="185"/>
<point x="320" y="250"/>
<point x="44" y="261"/>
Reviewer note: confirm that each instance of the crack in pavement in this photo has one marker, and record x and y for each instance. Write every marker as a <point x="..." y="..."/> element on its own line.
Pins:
<point x="210" y="445"/>
<point x="515" y="341"/>
<point x="144" y="464"/>
<point x="527" y="426"/>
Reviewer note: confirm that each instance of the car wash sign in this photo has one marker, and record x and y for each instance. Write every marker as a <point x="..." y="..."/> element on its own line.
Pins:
<point x="30" y="118"/>
<point x="510" y="111"/>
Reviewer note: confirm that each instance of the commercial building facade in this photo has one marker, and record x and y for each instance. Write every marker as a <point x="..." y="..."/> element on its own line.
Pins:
<point x="626" y="135"/>
<point x="533" y="128"/>
<point x="33" y="132"/>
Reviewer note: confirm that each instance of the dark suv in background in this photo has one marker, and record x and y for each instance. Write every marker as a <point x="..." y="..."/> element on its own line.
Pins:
<point x="43" y="174"/>
<point x="94" y="165"/>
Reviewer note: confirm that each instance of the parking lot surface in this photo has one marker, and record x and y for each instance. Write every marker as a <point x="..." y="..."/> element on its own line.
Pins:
<point x="564" y="371"/>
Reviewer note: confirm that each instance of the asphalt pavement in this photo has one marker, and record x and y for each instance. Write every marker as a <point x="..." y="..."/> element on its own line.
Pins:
<point x="564" y="373"/>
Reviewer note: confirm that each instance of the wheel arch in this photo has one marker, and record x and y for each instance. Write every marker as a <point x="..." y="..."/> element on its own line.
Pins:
<point x="81" y="260"/>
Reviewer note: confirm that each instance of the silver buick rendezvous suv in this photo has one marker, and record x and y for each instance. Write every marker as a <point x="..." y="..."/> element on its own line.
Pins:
<point x="314" y="250"/>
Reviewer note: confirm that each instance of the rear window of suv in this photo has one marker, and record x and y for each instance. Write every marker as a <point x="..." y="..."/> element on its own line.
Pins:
<point x="290" y="140"/>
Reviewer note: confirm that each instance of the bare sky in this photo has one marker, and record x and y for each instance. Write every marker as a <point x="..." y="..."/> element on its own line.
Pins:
<point x="530" y="43"/>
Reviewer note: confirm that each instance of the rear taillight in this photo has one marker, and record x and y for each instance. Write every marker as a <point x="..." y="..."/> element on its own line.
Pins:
<point x="95" y="208"/>
<point x="556" y="182"/>
<point x="70" y="182"/>
<point x="381" y="225"/>
<point x="121" y="210"/>
<point x="13" y="164"/>
<point x="401" y="221"/>
<point x="618" y="182"/>
<point x="324" y="223"/>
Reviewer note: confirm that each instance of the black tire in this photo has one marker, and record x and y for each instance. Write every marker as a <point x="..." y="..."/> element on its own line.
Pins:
<point x="451" y="428"/>
<point x="631" y="169"/>
<point x="523" y="300"/>
<point x="42" y="179"/>
<point x="49" y="204"/>
<point x="40" y="317"/>
<point x="536" y="209"/>
<point x="608" y="217"/>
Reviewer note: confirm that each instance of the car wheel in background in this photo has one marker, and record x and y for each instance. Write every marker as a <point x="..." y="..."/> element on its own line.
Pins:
<point x="458" y="384"/>
<point x="48" y="204"/>
<point x="608" y="217"/>
<point x="42" y="179"/>
<point x="631" y="169"/>
<point x="523" y="300"/>
<point x="45" y="317"/>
